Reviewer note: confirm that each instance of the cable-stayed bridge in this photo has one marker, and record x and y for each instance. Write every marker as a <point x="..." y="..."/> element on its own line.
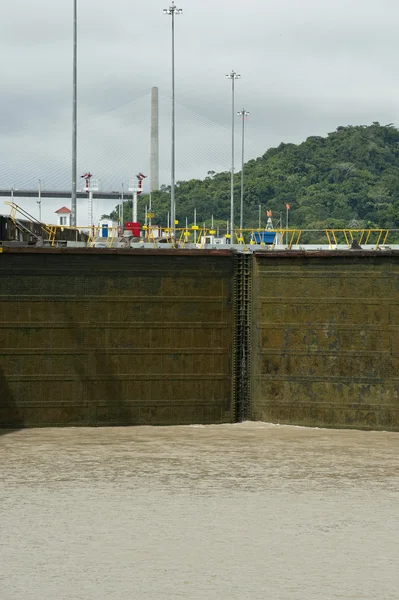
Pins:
<point x="115" y="146"/>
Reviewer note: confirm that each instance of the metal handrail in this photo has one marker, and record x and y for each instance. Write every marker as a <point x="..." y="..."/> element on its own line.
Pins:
<point x="15" y="209"/>
<point x="180" y="236"/>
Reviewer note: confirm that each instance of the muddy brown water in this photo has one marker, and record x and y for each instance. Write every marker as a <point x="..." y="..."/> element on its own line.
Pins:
<point x="247" y="512"/>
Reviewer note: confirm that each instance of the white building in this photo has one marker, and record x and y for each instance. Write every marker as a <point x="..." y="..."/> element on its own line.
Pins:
<point x="64" y="216"/>
<point x="107" y="227"/>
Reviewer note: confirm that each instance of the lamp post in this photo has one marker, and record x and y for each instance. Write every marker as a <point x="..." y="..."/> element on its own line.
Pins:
<point x="233" y="76"/>
<point x="74" y="114"/>
<point x="287" y="209"/>
<point x="39" y="200"/>
<point x="172" y="11"/>
<point x="244" y="115"/>
<point x="121" y="216"/>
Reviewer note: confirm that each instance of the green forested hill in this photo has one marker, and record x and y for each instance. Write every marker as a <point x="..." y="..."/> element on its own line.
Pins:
<point x="349" y="178"/>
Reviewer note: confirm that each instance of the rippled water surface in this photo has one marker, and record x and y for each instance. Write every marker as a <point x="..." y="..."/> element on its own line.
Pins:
<point x="248" y="512"/>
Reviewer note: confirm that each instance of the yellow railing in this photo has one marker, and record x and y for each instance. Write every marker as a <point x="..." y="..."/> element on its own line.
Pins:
<point x="18" y="210"/>
<point x="180" y="236"/>
<point x="376" y="237"/>
<point x="51" y="230"/>
<point x="288" y="238"/>
<point x="94" y="235"/>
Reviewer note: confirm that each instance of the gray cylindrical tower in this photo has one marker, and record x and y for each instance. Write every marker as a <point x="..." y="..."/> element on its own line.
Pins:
<point x="154" y="175"/>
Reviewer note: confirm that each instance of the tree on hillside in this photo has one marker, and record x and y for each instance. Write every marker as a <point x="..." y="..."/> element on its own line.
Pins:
<point x="351" y="175"/>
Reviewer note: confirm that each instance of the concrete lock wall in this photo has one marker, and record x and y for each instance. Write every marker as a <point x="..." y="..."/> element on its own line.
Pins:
<point x="116" y="337"/>
<point x="94" y="337"/>
<point x="325" y="339"/>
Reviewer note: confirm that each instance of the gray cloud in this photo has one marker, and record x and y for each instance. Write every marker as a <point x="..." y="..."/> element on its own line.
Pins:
<point x="307" y="66"/>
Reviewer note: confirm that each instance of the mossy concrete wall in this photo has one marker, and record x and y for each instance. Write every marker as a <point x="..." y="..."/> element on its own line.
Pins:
<point x="115" y="337"/>
<point x="325" y="339"/>
<point x="94" y="337"/>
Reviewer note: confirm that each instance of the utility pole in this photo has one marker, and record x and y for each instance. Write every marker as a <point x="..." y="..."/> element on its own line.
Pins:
<point x="233" y="76"/>
<point x="244" y="115"/>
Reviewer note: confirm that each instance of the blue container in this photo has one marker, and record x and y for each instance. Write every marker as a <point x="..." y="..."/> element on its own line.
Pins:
<point x="104" y="231"/>
<point x="264" y="237"/>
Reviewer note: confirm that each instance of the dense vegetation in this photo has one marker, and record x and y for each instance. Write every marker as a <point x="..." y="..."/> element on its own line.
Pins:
<point x="349" y="178"/>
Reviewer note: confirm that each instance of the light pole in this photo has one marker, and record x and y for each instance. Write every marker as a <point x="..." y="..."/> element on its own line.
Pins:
<point x="74" y="114"/>
<point x="233" y="76"/>
<point x="287" y="209"/>
<point x="244" y="115"/>
<point x="172" y="11"/>
<point x="39" y="201"/>
<point x="122" y="215"/>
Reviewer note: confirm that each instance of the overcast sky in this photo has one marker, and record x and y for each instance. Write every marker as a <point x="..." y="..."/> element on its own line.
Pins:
<point x="307" y="66"/>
